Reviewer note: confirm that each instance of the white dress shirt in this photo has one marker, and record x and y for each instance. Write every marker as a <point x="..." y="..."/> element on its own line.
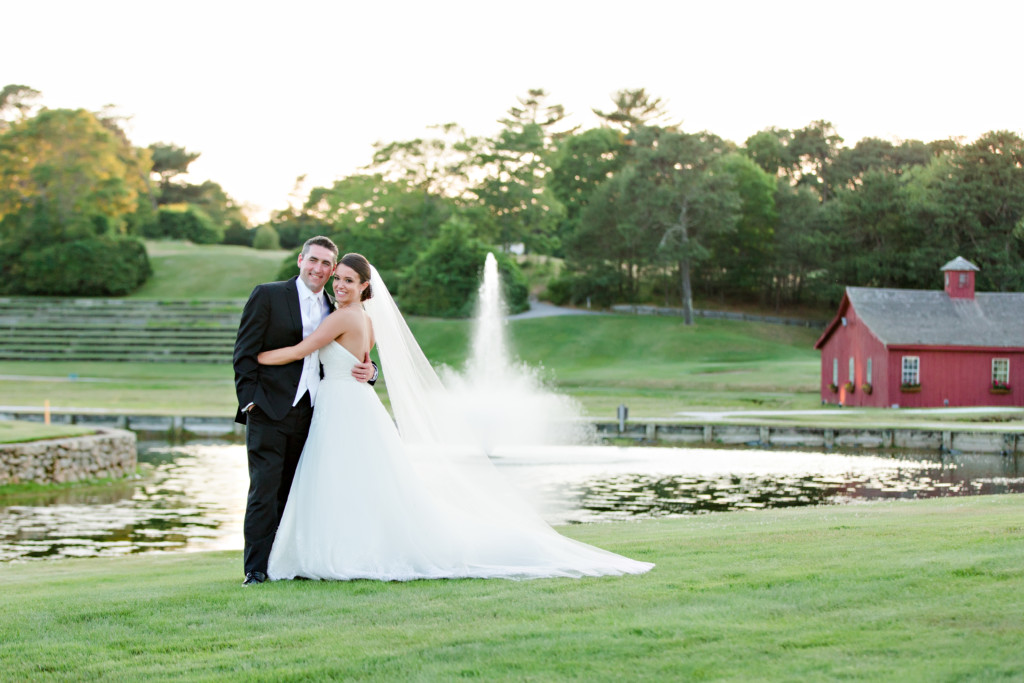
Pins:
<point x="314" y="310"/>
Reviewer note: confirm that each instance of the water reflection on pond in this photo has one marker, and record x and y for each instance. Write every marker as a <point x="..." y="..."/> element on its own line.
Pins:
<point x="653" y="482"/>
<point x="193" y="496"/>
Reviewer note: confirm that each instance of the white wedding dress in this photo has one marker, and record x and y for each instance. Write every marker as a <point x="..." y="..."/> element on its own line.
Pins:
<point x="367" y="503"/>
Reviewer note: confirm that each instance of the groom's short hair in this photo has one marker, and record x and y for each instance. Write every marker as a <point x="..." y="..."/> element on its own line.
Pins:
<point x="321" y="241"/>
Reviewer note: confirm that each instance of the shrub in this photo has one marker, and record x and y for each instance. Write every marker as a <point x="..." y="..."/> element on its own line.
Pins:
<point x="599" y="287"/>
<point x="266" y="238"/>
<point x="236" y="233"/>
<point x="190" y="223"/>
<point x="94" y="266"/>
<point x="294" y="231"/>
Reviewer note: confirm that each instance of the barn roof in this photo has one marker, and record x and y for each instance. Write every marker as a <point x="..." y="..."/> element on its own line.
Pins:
<point x="911" y="316"/>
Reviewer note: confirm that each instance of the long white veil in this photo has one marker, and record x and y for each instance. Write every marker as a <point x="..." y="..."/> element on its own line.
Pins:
<point x="432" y="424"/>
<point x="451" y="462"/>
<point x="419" y="400"/>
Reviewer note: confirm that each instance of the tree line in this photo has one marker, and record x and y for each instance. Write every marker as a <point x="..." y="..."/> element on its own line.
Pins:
<point x="638" y="208"/>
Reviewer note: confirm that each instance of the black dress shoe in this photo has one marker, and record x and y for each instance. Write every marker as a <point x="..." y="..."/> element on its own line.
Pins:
<point x="254" y="577"/>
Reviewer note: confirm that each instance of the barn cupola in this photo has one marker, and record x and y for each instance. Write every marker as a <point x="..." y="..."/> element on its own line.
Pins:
<point x="959" y="274"/>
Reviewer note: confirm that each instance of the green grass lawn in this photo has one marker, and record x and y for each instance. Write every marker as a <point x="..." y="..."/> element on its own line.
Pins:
<point x="18" y="431"/>
<point x="182" y="270"/>
<point x="897" y="591"/>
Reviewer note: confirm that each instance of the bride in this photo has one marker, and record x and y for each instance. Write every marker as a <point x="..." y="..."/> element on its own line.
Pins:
<point x="370" y="501"/>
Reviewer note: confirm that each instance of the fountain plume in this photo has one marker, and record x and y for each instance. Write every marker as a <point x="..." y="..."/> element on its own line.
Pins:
<point x="506" y="400"/>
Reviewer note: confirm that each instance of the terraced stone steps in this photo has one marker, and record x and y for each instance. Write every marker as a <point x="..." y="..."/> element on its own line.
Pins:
<point x="51" y="329"/>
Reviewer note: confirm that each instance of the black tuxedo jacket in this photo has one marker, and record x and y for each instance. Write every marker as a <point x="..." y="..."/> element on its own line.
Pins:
<point x="271" y="319"/>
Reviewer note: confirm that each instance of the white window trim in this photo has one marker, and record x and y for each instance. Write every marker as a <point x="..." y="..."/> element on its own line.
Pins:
<point x="1001" y="374"/>
<point x="910" y="375"/>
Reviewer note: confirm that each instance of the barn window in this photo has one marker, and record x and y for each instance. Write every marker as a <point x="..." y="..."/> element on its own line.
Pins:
<point x="1000" y="371"/>
<point x="835" y="371"/>
<point x="851" y="376"/>
<point x="868" y="377"/>
<point x="911" y="374"/>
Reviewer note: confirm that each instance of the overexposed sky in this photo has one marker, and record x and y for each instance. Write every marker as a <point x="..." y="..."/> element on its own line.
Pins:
<point x="269" y="91"/>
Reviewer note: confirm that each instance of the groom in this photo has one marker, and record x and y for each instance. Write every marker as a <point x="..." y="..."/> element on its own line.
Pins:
<point x="276" y="401"/>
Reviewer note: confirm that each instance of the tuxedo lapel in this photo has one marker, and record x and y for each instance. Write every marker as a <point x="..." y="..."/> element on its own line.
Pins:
<point x="292" y="303"/>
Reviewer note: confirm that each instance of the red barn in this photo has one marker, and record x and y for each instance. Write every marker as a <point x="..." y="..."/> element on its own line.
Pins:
<point x="913" y="348"/>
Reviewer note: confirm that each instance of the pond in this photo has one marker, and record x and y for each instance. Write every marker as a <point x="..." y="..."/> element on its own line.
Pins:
<point x="193" y="495"/>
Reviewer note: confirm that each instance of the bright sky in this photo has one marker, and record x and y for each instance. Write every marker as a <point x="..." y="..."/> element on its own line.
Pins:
<point x="269" y="91"/>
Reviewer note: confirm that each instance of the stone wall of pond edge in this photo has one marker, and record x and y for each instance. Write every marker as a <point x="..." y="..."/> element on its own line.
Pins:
<point x="110" y="453"/>
<point x="945" y="441"/>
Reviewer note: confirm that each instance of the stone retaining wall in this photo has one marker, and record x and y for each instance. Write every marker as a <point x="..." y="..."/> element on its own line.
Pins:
<point x="948" y="441"/>
<point x="110" y="453"/>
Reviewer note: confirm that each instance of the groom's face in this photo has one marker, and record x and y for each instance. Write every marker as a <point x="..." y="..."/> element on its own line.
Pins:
<point x="315" y="267"/>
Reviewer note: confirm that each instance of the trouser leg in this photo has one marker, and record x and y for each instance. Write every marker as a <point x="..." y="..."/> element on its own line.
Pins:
<point x="273" y="451"/>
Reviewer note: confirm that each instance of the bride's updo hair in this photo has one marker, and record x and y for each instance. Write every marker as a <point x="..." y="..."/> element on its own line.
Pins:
<point x="358" y="263"/>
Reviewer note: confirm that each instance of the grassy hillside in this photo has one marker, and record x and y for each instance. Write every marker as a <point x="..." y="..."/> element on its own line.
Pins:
<point x="654" y="364"/>
<point x="657" y="366"/>
<point x="182" y="270"/>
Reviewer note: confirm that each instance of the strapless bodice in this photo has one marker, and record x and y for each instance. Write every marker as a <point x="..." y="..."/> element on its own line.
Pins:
<point x="337" y="361"/>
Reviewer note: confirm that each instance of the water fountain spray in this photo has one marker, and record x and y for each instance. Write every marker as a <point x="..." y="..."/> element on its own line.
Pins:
<point x="505" y="399"/>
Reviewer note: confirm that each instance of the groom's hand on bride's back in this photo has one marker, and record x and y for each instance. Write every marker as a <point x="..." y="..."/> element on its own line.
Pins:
<point x="365" y="371"/>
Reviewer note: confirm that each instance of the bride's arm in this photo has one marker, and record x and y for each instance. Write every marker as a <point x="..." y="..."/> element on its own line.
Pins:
<point x="331" y="328"/>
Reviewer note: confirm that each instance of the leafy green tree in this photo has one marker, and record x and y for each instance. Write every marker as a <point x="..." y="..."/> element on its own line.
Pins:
<point x="869" y="154"/>
<point x="296" y="225"/>
<point x="620" y="230"/>
<point x="15" y="103"/>
<point x="667" y="204"/>
<point x="522" y="208"/>
<point x="579" y="165"/>
<point x="812" y="151"/>
<point x="390" y="222"/>
<point x="741" y="258"/>
<point x="444" y="280"/>
<point x="634" y="108"/>
<point x="440" y="165"/>
<point x="63" y="175"/>
<point x="769" y="149"/>
<point x="982" y="200"/>
<point x="170" y="163"/>
<point x="872" y="245"/>
<point x="800" y="248"/>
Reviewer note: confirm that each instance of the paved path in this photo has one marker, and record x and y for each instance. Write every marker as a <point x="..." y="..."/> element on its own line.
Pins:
<point x="542" y="309"/>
